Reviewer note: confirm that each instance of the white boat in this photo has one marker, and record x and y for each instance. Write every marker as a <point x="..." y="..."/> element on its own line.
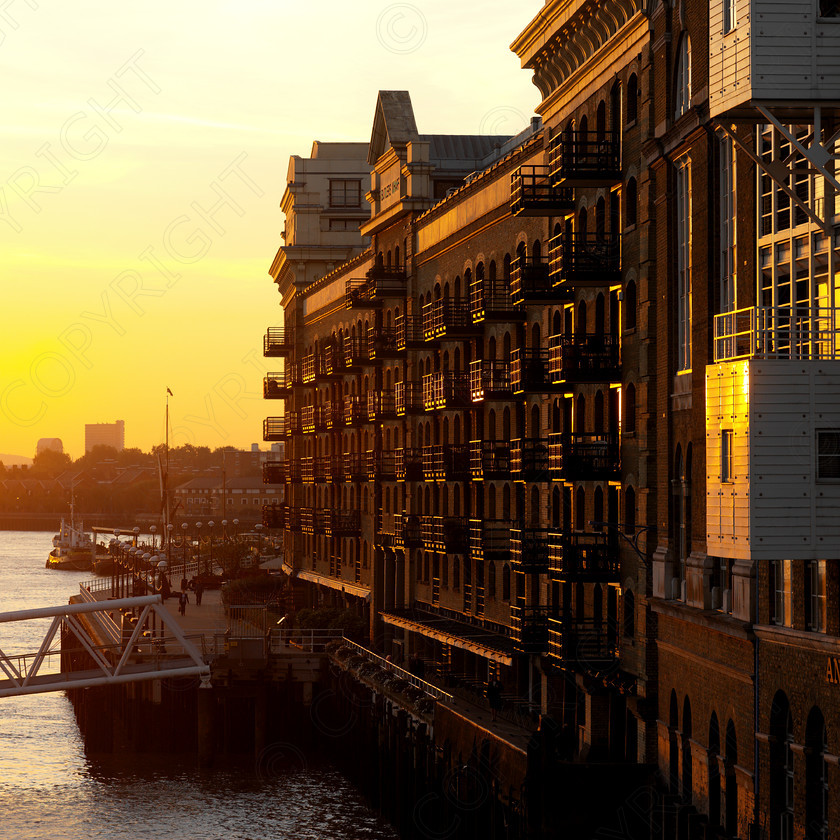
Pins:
<point x="73" y="550"/>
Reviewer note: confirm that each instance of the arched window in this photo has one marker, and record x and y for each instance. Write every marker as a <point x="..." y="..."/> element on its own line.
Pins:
<point x="630" y="408"/>
<point x="781" y="769"/>
<point x="674" y="747"/>
<point x="630" y="511"/>
<point x="631" y="199"/>
<point x="630" y="305"/>
<point x="816" y="777"/>
<point x="731" y="761"/>
<point x="682" y="92"/>
<point x="506" y="582"/>
<point x="632" y="99"/>
<point x="629" y="606"/>
<point x="714" y="772"/>
<point x="687" y="790"/>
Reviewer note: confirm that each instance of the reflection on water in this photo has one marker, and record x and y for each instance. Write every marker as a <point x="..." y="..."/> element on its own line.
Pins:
<point x="50" y="791"/>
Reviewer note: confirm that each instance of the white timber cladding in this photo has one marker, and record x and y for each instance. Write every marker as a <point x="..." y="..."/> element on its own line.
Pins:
<point x="773" y="506"/>
<point x="778" y="50"/>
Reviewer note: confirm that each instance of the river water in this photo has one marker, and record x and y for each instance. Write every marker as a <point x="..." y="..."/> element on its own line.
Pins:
<point x="49" y="790"/>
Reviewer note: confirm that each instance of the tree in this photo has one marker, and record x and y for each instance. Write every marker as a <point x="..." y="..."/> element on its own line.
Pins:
<point x="49" y="463"/>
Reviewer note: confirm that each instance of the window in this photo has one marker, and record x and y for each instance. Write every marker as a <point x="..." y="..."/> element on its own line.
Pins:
<point x="727" y="224"/>
<point x="726" y="471"/>
<point x="780" y="601"/>
<point x="684" y="264"/>
<point x="629" y="629"/>
<point x="632" y="99"/>
<point x="631" y="203"/>
<point x="682" y="94"/>
<point x="728" y="16"/>
<point x="343" y="224"/>
<point x="345" y="193"/>
<point x="815" y="594"/>
<point x="830" y="8"/>
<point x="828" y="454"/>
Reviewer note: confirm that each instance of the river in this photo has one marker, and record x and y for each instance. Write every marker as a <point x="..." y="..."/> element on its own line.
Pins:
<point x="49" y="790"/>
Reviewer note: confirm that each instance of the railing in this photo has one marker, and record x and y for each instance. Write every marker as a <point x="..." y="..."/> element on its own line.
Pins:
<point x="584" y="555"/>
<point x="355" y="352"/>
<point x="529" y="280"/>
<point x="307" y="369"/>
<point x="381" y="405"/>
<point x="447" y="316"/>
<point x="489" y="378"/>
<point x="529" y="459"/>
<point x="531" y="191"/>
<point x="490" y="538"/>
<point x="446" y="389"/>
<point x="581" y="641"/>
<point x="529" y="550"/>
<point x="382" y="344"/>
<point x="409" y="464"/>
<point x="586" y="456"/>
<point x="529" y="628"/>
<point x="274" y="428"/>
<point x="277" y="386"/>
<point x="358" y="294"/>
<point x="408" y="531"/>
<point x="782" y="332"/>
<point x="489" y="459"/>
<point x="381" y="272"/>
<point x="305" y="639"/>
<point x="273" y="516"/>
<point x="529" y="370"/>
<point x="381" y="466"/>
<point x="585" y="259"/>
<point x="445" y="533"/>
<point x="276" y="343"/>
<point x="409" y="331"/>
<point x="585" y="157"/>
<point x="428" y="688"/>
<point x="354" y="411"/>
<point x="584" y="358"/>
<point x="408" y="398"/>
<point x="342" y="523"/>
<point x="446" y="462"/>
<point x="491" y="299"/>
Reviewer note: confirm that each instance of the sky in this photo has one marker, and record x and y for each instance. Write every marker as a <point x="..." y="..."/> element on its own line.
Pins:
<point x="143" y="155"/>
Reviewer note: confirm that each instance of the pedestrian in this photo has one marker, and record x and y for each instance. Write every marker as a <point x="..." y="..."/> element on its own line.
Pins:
<point x="183" y="600"/>
<point x="199" y="591"/>
<point x="494" y="696"/>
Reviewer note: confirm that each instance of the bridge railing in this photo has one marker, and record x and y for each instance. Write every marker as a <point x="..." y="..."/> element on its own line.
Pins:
<point x="310" y="640"/>
<point x="427" y="687"/>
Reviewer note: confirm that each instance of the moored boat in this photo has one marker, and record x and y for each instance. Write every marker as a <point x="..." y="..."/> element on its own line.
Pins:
<point x="73" y="550"/>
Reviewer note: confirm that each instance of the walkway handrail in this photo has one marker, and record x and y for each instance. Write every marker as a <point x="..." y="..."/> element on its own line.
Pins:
<point x="428" y="688"/>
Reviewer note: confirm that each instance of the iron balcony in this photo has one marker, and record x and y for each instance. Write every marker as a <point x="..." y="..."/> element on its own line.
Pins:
<point x="584" y="556"/>
<point x="409" y="464"/>
<point x="529" y="628"/>
<point x="529" y="550"/>
<point x="581" y="643"/>
<point x="584" y="358"/>
<point x="530" y="282"/>
<point x="381" y="466"/>
<point x="584" y="457"/>
<point x="360" y="294"/>
<point x="446" y="389"/>
<point x="584" y="260"/>
<point x="355" y="413"/>
<point x="529" y="372"/>
<point x="489" y="459"/>
<point x="274" y="428"/>
<point x="312" y="419"/>
<point x="273" y="516"/>
<point x="490" y="300"/>
<point x="445" y="534"/>
<point x="382" y="344"/>
<point x="409" y="332"/>
<point x="490" y="539"/>
<point x="532" y="193"/>
<point x="277" y="342"/>
<point x="446" y="462"/>
<point x="448" y="318"/>
<point x="407" y="532"/>
<point x="277" y="386"/>
<point x="408" y="398"/>
<point x="490" y="380"/>
<point x="381" y="405"/>
<point x="274" y="472"/>
<point x="529" y="459"/>
<point x="585" y="159"/>
<point x="355" y="354"/>
<point x="342" y="523"/>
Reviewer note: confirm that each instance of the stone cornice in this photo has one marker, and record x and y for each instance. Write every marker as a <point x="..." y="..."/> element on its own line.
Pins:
<point x="566" y="34"/>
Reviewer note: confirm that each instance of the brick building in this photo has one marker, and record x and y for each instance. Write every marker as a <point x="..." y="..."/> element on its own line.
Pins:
<point x="567" y="411"/>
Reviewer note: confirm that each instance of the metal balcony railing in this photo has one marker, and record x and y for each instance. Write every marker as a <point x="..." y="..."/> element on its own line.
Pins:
<point x="532" y="193"/>
<point x="529" y="371"/>
<point x="583" y="260"/>
<point x="446" y="462"/>
<point x="355" y="412"/>
<point x="342" y="523"/>
<point x="446" y="389"/>
<point x="384" y="275"/>
<point x="307" y="369"/>
<point x="489" y="379"/>
<point x="273" y="516"/>
<point x="360" y="294"/>
<point x="333" y="361"/>
<point x="409" y="330"/>
<point x="355" y="352"/>
<point x="784" y="332"/>
<point x="274" y="428"/>
<point x="584" y="556"/>
<point x="584" y="358"/>
<point x="382" y="344"/>
<point x="409" y="464"/>
<point x="307" y="520"/>
<point x="277" y="386"/>
<point x="408" y="398"/>
<point x="490" y="539"/>
<point x="584" y="457"/>
<point x="448" y="534"/>
<point x="585" y="158"/>
<point x="381" y="405"/>
<point x="274" y="472"/>
<point x="489" y="459"/>
<point x="529" y="628"/>
<point x="277" y="342"/>
<point x="581" y="642"/>
<point x="529" y="459"/>
<point x="408" y="531"/>
<point x="333" y="415"/>
<point x="530" y="282"/>
<point x="381" y="466"/>
<point x="529" y="550"/>
<point x="448" y="318"/>
<point x="491" y="300"/>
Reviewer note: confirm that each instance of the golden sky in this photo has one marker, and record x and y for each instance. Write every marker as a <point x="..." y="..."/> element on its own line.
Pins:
<point x="143" y="151"/>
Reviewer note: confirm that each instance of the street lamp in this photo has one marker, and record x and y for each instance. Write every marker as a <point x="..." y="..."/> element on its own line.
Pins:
<point x="136" y="532"/>
<point x="153" y="530"/>
<point x="210" y="525"/>
<point x="169" y="529"/>
<point x="224" y="529"/>
<point x="259" y="528"/>
<point x="235" y="528"/>
<point x="184" y="526"/>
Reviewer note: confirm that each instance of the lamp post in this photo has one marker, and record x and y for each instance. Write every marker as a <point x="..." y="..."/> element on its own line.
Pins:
<point x="235" y="528"/>
<point x="259" y="529"/>
<point x="136" y="531"/>
<point x="198" y="541"/>
<point x="115" y="547"/>
<point x="169" y="529"/>
<point x="153" y="531"/>
<point x="184" y="526"/>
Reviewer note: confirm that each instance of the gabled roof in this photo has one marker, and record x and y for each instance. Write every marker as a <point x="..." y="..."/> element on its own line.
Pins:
<point x="393" y="123"/>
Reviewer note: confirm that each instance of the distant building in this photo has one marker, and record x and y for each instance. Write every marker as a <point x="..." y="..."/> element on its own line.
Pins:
<point x="53" y="444"/>
<point x="105" y="434"/>
<point x="237" y="497"/>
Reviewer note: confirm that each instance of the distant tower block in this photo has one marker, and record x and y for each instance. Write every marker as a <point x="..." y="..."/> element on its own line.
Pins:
<point x="105" y="434"/>
<point x="51" y="444"/>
